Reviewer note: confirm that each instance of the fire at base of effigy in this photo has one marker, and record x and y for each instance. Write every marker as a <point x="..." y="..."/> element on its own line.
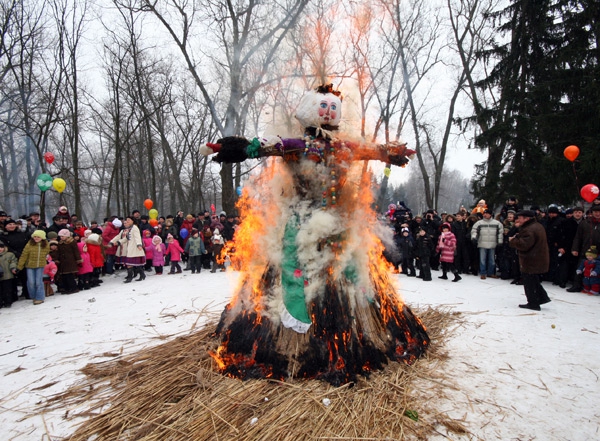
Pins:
<point x="315" y="300"/>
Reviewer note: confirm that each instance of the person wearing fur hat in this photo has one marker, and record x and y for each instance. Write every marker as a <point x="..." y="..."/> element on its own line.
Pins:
<point x="589" y="269"/>
<point x="446" y="246"/>
<point x="8" y="271"/>
<point x="68" y="261"/>
<point x="532" y="245"/>
<point x="131" y="251"/>
<point x="33" y="258"/>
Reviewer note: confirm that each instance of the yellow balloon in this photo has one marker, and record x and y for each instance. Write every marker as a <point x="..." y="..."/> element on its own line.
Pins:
<point x="59" y="184"/>
<point x="153" y="213"/>
<point x="387" y="172"/>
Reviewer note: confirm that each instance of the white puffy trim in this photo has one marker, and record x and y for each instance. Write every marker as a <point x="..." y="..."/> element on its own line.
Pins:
<point x="270" y="141"/>
<point x="290" y="322"/>
<point x="205" y="150"/>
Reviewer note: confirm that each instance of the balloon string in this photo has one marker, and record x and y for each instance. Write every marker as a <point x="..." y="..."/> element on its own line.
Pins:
<point x="576" y="180"/>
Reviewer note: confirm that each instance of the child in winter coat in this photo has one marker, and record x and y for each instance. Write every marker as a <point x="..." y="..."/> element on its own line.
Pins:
<point x="147" y="240"/>
<point x="174" y="251"/>
<point x="195" y="249"/>
<point x="423" y="254"/>
<point x="94" y="249"/>
<point x="8" y="269"/>
<point x="157" y="251"/>
<point x="33" y="258"/>
<point x="406" y="245"/>
<point x="86" y="269"/>
<point x="50" y="271"/>
<point x="218" y="242"/>
<point x="446" y="247"/>
<point x="590" y="268"/>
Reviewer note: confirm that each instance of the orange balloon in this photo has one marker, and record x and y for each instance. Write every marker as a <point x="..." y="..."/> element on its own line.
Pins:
<point x="148" y="204"/>
<point x="571" y="152"/>
<point x="153" y="222"/>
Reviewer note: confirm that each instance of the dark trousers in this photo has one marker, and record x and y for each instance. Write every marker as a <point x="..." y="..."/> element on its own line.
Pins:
<point x="534" y="291"/>
<point x="69" y="283"/>
<point x="22" y="277"/>
<point x="408" y="267"/>
<point x="196" y="263"/>
<point x="7" y="288"/>
<point x="424" y="269"/>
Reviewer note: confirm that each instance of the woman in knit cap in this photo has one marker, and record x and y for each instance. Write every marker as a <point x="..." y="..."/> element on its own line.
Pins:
<point x="33" y="258"/>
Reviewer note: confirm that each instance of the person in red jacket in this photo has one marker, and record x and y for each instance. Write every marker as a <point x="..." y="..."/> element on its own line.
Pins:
<point x="110" y="231"/>
<point x="94" y="248"/>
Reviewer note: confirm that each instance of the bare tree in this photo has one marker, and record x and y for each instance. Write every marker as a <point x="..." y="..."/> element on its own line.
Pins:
<point x="31" y="94"/>
<point x="241" y="41"/>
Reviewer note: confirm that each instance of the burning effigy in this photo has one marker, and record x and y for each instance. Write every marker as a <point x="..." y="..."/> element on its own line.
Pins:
<point x="315" y="299"/>
<point x="315" y="312"/>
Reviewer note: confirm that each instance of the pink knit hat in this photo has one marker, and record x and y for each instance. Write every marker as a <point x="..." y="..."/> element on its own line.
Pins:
<point x="64" y="233"/>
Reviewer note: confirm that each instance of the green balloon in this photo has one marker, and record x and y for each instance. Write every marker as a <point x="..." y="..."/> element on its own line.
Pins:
<point x="44" y="181"/>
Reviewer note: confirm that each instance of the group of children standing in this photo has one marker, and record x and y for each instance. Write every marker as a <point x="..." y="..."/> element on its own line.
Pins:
<point x="415" y="253"/>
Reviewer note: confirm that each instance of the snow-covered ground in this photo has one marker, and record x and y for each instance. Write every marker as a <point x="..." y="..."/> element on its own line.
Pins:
<point x="520" y="375"/>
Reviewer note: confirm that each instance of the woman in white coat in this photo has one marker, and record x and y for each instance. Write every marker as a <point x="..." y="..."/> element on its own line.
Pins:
<point x="131" y="251"/>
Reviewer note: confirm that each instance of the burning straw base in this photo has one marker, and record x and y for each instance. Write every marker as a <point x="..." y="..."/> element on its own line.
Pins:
<point x="171" y="392"/>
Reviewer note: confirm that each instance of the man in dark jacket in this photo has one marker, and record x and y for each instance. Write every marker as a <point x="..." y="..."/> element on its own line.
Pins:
<point x="534" y="258"/>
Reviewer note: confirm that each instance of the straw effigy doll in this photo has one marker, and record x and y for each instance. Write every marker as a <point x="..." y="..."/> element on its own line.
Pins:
<point x="315" y="299"/>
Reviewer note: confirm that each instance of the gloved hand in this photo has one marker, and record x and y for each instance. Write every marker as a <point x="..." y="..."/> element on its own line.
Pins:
<point x="579" y="272"/>
<point x="593" y="274"/>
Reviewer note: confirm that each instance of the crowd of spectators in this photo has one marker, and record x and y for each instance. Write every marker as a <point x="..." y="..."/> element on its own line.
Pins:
<point x="482" y="243"/>
<point x="72" y="256"/>
<point x="473" y="242"/>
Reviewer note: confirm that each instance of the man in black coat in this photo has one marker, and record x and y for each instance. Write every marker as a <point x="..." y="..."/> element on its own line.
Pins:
<point x="532" y="245"/>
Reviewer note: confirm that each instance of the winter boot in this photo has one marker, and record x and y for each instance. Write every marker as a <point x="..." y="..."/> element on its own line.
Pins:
<point x="443" y="276"/>
<point x="456" y="277"/>
<point x="142" y="274"/>
<point x="130" y="275"/>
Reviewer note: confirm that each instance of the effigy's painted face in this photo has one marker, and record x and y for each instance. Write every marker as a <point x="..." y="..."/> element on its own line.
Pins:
<point x="328" y="110"/>
<point x="318" y="109"/>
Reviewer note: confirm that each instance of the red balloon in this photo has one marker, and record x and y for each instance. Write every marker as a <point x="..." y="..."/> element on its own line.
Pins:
<point x="49" y="157"/>
<point x="589" y="192"/>
<point x="148" y="204"/>
<point x="153" y="222"/>
<point x="571" y="152"/>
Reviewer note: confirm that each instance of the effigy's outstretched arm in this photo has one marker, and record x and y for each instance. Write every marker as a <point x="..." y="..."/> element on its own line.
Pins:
<point x="394" y="153"/>
<point x="234" y="149"/>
